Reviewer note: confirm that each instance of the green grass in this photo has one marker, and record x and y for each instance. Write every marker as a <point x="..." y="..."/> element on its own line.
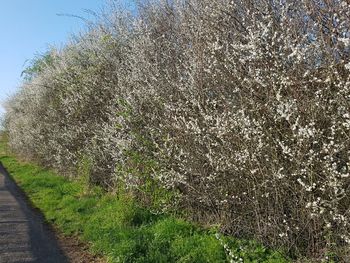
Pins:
<point x="120" y="229"/>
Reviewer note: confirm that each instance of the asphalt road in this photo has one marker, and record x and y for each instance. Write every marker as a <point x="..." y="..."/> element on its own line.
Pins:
<point x="24" y="236"/>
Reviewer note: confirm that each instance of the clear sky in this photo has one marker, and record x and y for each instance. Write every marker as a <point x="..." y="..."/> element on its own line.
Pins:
<point x="29" y="27"/>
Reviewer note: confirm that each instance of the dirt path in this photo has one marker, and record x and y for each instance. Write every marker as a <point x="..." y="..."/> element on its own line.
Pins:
<point x="24" y="237"/>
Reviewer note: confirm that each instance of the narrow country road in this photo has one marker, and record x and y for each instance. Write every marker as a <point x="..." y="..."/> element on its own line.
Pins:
<point x="24" y="237"/>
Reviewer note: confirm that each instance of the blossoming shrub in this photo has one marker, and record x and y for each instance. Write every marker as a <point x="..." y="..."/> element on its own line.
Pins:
<point x="236" y="111"/>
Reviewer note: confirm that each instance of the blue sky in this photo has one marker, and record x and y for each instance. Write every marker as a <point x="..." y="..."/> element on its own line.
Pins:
<point x="29" y="27"/>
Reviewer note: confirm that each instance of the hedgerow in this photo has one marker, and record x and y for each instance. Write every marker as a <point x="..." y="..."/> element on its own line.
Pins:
<point x="236" y="112"/>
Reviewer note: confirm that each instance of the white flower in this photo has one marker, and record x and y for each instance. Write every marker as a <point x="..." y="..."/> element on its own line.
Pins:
<point x="347" y="66"/>
<point x="346" y="41"/>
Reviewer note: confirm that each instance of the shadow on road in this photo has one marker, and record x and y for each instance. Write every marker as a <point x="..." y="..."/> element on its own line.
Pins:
<point x="24" y="235"/>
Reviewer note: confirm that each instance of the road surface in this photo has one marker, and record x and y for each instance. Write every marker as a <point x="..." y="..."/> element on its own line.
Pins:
<point x="24" y="236"/>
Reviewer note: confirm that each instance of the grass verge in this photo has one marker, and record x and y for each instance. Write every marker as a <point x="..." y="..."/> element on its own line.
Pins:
<point x="120" y="229"/>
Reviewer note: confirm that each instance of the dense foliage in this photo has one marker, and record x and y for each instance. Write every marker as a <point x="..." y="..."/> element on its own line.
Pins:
<point x="236" y="111"/>
<point x="120" y="230"/>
